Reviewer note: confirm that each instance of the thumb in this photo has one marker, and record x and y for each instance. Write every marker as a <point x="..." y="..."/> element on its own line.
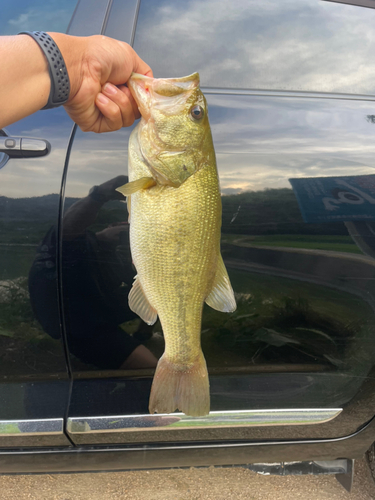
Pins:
<point x="139" y="66"/>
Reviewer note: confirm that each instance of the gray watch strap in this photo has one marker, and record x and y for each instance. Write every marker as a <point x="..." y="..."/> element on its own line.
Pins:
<point x="60" y="84"/>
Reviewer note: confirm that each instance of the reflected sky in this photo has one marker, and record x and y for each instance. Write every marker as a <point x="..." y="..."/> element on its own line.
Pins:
<point x="38" y="176"/>
<point x="291" y="45"/>
<point x="35" y="15"/>
<point x="260" y="143"/>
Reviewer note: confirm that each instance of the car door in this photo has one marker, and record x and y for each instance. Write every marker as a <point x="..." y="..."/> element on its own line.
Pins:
<point x="35" y="383"/>
<point x="291" y="107"/>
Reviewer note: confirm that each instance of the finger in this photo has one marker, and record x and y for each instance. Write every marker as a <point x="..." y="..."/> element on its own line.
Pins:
<point x="121" y="98"/>
<point x="111" y="115"/>
<point x="139" y="66"/>
<point x="126" y="90"/>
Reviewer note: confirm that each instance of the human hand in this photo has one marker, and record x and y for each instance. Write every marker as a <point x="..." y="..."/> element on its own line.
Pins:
<point x="98" y="69"/>
<point x="111" y="234"/>
<point x="108" y="188"/>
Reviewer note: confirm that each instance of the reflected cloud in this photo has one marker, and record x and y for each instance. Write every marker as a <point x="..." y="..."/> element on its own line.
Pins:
<point x="45" y="16"/>
<point x="260" y="143"/>
<point x="21" y="19"/>
<point x="273" y="171"/>
<point x="291" y="45"/>
<point x="38" y="176"/>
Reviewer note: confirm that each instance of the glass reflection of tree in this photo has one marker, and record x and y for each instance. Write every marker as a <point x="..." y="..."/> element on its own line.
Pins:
<point x="291" y="294"/>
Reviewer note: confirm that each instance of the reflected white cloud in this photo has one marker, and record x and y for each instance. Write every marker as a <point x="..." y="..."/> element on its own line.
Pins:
<point x="260" y="143"/>
<point x="43" y="175"/>
<point x="294" y="44"/>
<point x="259" y="171"/>
<point x="22" y="19"/>
<point x="24" y="15"/>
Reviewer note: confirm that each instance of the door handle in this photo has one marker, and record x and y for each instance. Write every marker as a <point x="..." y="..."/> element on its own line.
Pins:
<point x="23" y="147"/>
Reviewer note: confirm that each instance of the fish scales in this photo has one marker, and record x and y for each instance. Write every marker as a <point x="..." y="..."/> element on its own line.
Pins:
<point x="178" y="229"/>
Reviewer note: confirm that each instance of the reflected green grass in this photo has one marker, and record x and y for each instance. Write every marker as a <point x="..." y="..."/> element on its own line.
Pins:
<point x="280" y="320"/>
<point x="337" y="243"/>
<point x="16" y="260"/>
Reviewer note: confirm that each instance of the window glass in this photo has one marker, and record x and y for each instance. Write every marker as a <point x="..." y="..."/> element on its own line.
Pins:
<point x="36" y="15"/>
<point x="304" y="45"/>
<point x="29" y="205"/>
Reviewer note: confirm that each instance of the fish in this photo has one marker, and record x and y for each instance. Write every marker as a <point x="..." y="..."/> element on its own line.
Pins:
<point x="174" y="205"/>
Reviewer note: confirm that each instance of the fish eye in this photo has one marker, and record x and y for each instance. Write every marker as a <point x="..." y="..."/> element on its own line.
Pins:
<point x="197" y="112"/>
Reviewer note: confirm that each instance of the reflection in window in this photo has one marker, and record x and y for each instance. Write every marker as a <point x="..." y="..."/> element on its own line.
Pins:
<point x="30" y="15"/>
<point x="302" y="45"/>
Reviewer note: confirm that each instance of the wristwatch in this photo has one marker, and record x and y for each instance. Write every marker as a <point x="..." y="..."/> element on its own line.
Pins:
<point x="60" y="83"/>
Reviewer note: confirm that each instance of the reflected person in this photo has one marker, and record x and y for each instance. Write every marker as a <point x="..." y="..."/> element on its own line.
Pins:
<point x="97" y="275"/>
<point x="363" y="235"/>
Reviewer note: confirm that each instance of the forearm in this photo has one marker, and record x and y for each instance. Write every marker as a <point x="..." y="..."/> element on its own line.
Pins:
<point x="24" y="78"/>
<point x="98" y="68"/>
<point x="79" y="217"/>
<point x="83" y="213"/>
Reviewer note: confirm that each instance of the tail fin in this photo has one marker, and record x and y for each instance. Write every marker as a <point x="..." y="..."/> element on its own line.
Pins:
<point x="185" y="388"/>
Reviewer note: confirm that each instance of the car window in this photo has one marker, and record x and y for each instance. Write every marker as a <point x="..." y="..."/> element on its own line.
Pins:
<point x="34" y="383"/>
<point x="301" y="335"/>
<point x="29" y="203"/>
<point x="303" y="45"/>
<point x="26" y="15"/>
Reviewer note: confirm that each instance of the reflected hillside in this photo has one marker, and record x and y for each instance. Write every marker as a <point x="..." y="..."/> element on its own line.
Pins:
<point x="269" y="217"/>
<point x="26" y="220"/>
<point x="38" y="214"/>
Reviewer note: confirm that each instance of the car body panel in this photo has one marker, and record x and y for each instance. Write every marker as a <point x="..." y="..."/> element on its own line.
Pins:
<point x="35" y="382"/>
<point x="186" y="454"/>
<point x="301" y="340"/>
<point x="271" y="139"/>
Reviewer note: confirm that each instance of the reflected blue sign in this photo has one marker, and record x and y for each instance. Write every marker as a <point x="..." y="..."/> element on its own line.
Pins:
<point x="332" y="199"/>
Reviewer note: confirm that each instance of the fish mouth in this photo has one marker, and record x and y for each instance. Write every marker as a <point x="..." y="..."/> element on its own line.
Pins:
<point x="166" y="95"/>
<point x="146" y="90"/>
<point x="139" y="86"/>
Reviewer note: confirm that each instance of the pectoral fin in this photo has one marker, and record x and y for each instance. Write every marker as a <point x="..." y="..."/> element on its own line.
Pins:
<point x="139" y="303"/>
<point x="134" y="186"/>
<point x="221" y="296"/>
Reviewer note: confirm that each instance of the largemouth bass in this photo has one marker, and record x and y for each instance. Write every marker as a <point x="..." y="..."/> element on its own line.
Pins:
<point x="175" y="219"/>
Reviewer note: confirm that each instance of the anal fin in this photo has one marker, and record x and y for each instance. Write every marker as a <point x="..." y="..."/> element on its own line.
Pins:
<point x="134" y="186"/>
<point x="221" y="296"/>
<point x="139" y="303"/>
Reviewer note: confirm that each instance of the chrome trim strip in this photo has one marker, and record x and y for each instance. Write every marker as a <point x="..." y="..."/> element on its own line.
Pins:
<point x="135" y="22"/>
<point x="288" y="93"/>
<point x="45" y="426"/>
<point x="126" y="423"/>
<point x="88" y="17"/>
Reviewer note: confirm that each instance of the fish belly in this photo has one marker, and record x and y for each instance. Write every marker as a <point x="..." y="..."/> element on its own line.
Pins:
<point x="175" y="243"/>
